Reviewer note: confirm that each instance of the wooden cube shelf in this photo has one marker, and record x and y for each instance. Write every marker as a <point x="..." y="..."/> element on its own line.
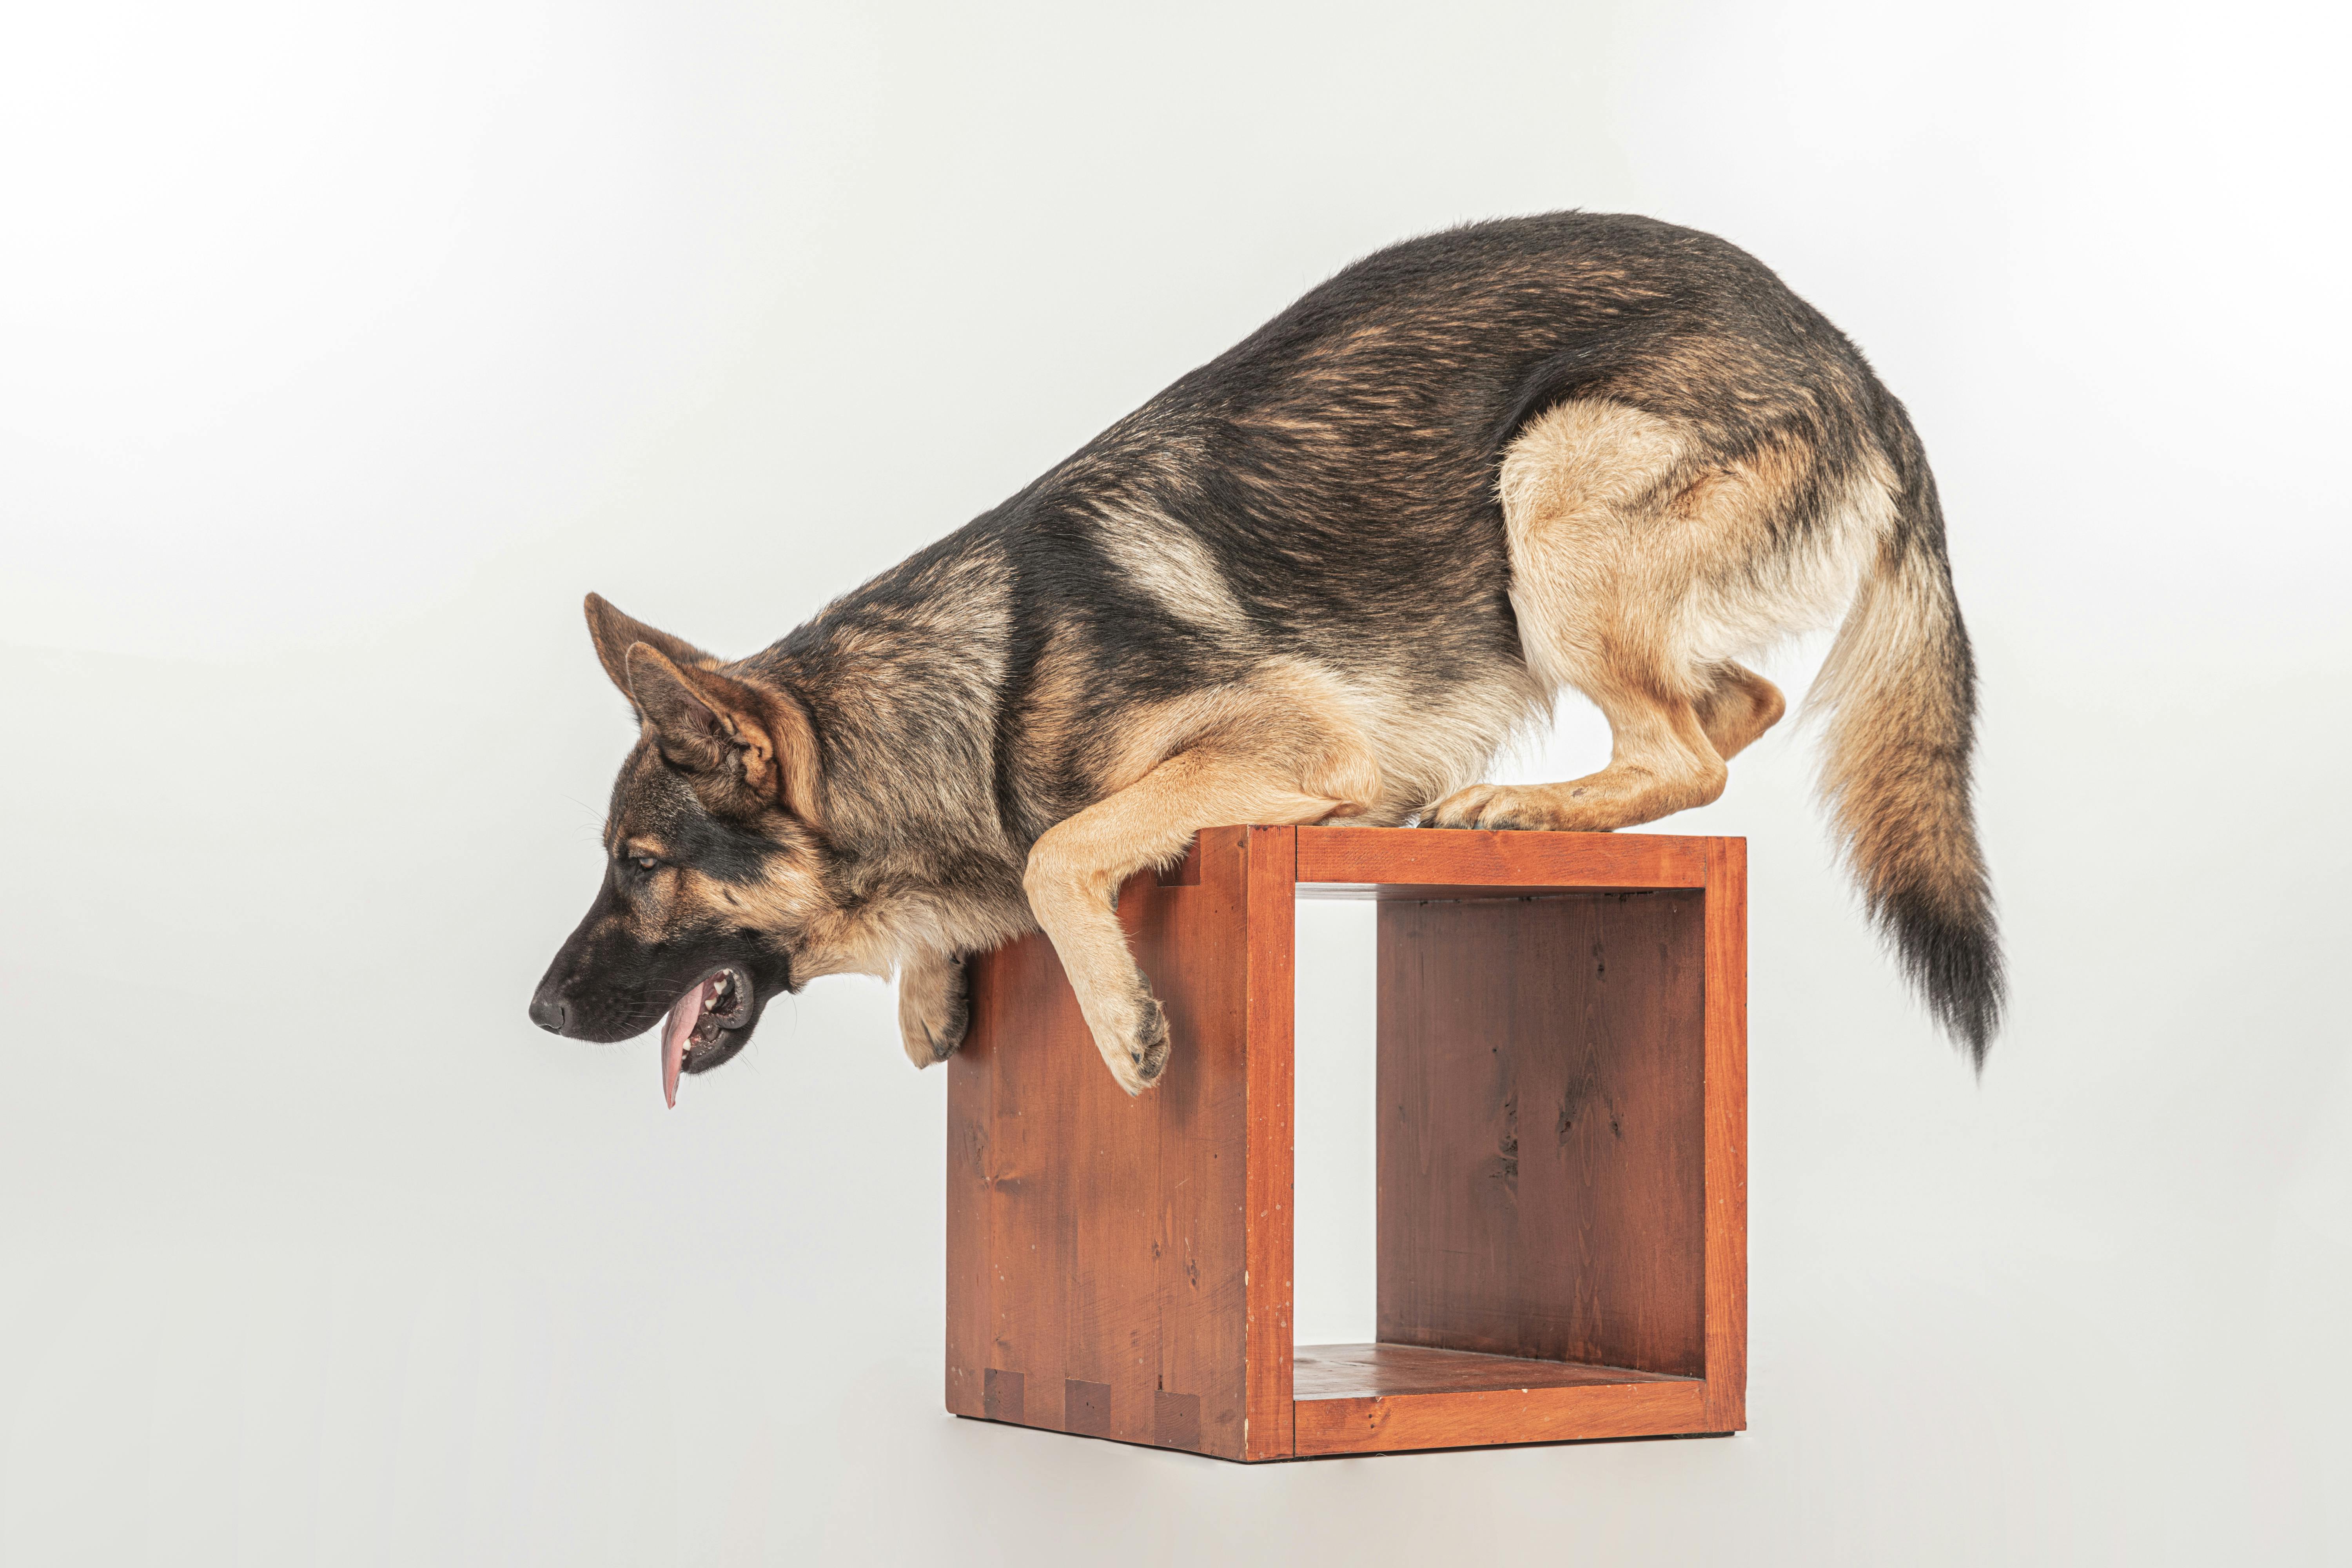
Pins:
<point x="1562" y="1163"/>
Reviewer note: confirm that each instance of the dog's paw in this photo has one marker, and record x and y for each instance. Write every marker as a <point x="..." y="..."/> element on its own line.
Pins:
<point x="934" y="1010"/>
<point x="1136" y="1049"/>
<point x="1558" y="809"/>
<point x="1152" y="1042"/>
<point x="1494" y="806"/>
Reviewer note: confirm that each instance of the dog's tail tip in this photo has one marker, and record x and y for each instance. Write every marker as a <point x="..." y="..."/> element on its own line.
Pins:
<point x="1952" y="956"/>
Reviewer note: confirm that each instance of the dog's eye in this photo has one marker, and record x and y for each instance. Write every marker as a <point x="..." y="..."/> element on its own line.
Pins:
<point x="647" y="862"/>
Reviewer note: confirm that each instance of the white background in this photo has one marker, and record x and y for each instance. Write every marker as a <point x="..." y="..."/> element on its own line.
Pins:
<point x="343" y="348"/>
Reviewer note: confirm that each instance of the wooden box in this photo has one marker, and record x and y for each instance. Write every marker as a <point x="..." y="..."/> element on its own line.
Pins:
<point x="1562" y="1211"/>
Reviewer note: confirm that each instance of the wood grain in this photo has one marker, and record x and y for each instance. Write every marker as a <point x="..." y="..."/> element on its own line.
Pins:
<point x="1476" y="858"/>
<point x="970" y="1250"/>
<point x="1098" y="1242"/>
<point x="1272" y="925"/>
<point x="1192" y="942"/>
<point x="1726" y="1134"/>
<point x="1540" y="1158"/>
<point x="1389" y="1425"/>
<point x="1373" y="1371"/>
<point x="1561" y="1165"/>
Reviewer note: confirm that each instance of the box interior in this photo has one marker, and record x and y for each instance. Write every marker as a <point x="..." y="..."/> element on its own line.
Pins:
<point x="1537" y="1096"/>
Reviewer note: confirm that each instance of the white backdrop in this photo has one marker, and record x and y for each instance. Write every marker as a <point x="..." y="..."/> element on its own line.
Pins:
<point x="343" y="348"/>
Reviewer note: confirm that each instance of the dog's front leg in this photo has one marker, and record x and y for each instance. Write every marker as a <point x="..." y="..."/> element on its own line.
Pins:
<point x="1076" y="867"/>
<point x="934" y="1005"/>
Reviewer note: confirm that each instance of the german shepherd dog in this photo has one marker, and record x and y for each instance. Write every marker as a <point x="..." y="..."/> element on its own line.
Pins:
<point x="1324" y="577"/>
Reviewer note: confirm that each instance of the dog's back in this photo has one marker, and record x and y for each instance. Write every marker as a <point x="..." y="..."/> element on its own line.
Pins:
<point x="1706" y="466"/>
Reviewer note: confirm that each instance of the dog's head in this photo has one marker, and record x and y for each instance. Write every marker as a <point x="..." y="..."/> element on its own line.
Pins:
<point x="714" y="896"/>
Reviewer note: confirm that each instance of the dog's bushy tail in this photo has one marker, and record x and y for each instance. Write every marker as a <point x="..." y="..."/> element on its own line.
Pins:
<point x="1899" y="690"/>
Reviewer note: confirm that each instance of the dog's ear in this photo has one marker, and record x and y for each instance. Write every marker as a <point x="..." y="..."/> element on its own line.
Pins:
<point x="615" y="633"/>
<point x="747" y="748"/>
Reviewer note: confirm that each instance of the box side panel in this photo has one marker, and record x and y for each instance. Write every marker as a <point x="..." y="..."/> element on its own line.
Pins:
<point x="1271" y="938"/>
<point x="1541" y="1071"/>
<point x="971" y="1257"/>
<point x="1096" y="1245"/>
<point x="1191" y="940"/>
<point x="1404" y="855"/>
<point x="1021" y="1027"/>
<point x="1727" y="1135"/>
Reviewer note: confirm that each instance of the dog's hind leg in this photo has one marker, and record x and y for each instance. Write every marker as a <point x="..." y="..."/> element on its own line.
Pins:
<point x="1660" y="762"/>
<point x="1078" y="866"/>
<point x="1634" y="557"/>
<point x="1737" y="707"/>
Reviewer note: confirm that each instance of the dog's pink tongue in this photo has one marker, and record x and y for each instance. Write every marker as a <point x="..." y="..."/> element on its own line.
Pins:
<point x="675" y="1029"/>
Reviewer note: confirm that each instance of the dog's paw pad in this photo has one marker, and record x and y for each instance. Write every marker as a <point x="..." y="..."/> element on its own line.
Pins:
<point x="1150" y="1053"/>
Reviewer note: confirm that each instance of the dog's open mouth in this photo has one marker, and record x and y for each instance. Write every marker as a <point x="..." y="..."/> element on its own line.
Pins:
<point x="694" y="1036"/>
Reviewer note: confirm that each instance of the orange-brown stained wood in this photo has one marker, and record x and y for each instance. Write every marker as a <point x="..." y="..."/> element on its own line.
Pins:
<point x="1541" y="1190"/>
<point x="1484" y="859"/>
<point x="971" y="1260"/>
<point x="1377" y="1426"/>
<point x="1374" y="1371"/>
<point x="1098" y="1243"/>
<point x="1272" y="925"/>
<point x="1565" y="1176"/>
<point x="1726" y="1134"/>
<point x="1192" y="942"/>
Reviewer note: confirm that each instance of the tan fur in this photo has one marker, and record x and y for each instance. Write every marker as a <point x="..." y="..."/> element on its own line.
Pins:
<point x="868" y="938"/>
<point x="1078" y="864"/>
<point x="874" y="937"/>
<point x="615" y="633"/>
<point x="1638" y="570"/>
<point x="1285" y="749"/>
<point x="1897" y="791"/>
<point x="1055" y="701"/>
<point x="1738" y="706"/>
<point x="933" y="1008"/>
<point x="1171" y="564"/>
<point x="750" y="739"/>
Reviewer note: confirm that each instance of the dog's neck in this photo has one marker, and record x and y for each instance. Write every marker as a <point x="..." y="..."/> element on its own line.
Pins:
<point x="902" y="681"/>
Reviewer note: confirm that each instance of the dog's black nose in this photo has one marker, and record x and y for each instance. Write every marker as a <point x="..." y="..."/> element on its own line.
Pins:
<point x="548" y="1013"/>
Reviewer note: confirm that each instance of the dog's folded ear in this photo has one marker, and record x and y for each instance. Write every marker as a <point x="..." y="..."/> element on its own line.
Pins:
<point x="615" y="633"/>
<point x="747" y="748"/>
